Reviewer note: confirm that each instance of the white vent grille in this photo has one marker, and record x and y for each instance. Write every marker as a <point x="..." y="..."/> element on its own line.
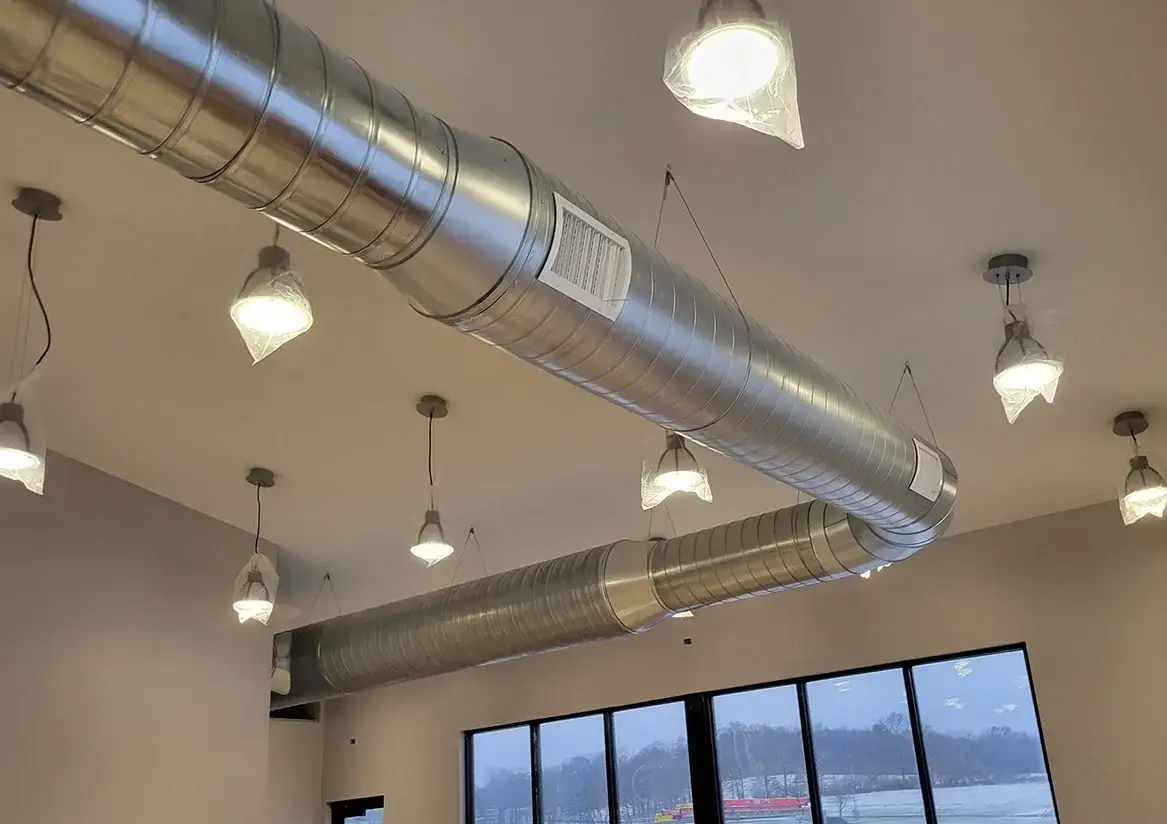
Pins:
<point x="588" y="262"/>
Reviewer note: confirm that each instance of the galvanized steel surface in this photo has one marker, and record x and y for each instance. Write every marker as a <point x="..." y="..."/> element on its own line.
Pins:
<point x="240" y="97"/>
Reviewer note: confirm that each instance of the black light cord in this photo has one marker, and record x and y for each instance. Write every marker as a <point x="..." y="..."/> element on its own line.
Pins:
<point x="430" y="457"/>
<point x="37" y="293"/>
<point x="258" y="515"/>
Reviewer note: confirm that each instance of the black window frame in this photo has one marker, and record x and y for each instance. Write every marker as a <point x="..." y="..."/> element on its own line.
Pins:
<point x="702" y="738"/>
<point x="341" y="811"/>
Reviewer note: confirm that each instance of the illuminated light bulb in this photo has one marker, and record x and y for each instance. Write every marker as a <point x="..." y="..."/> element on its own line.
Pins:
<point x="677" y="470"/>
<point x="1024" y="371"/>
<point x="255" y="589"/>
<point x="431" y="545"/>
<point x="866" y="575"/>
<point x="255" y="604"/>
<point x="271" y="308"/>
<point x="732" y="62"/>
<point x="1144" y="493"/>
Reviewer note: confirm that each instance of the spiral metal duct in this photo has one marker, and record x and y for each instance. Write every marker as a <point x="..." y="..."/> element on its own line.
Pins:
<point x="238" y="96"/>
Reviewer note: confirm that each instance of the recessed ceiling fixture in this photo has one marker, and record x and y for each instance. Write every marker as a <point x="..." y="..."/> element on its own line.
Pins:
<point x="258" y="581"/>
<point x="1144" y="492"/>
<point x="431" y="545"/>
<point x="738" y="66"/>
<point x="1024" y="369"/>
<point x="677" y="470"/>
<point x="22" y="446"/>
<point x="271" y="308"/>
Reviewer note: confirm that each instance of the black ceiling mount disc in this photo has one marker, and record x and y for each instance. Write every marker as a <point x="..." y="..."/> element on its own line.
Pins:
<point x="263" y="478"/>
<point x="1129" y="424"/>
<point x="38" y="203"/>
<point x="433" y="406"/>
<point x="1010" y="269"/>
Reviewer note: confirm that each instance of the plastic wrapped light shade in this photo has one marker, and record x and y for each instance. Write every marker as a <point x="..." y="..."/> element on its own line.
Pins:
<point x="272" y="307"/>
<point x="256" y="587"/>
<point x="675" y="471"/>
<point x="738" y="66"/>
<point x="1024" y="370"/>
<point x="22" y="440"/>
<point x="1144" y="494"/>
<point x="431" y="545"/>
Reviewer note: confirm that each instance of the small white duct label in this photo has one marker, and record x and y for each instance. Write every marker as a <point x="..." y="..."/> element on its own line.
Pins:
<point x="588" y="262"/>
<point x="929" y="477"/>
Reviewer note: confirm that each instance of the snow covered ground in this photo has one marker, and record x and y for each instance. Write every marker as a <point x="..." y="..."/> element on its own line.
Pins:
<point x="994" y="804"/>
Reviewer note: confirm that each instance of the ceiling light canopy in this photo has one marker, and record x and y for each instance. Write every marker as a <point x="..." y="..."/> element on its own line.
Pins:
<point x="738" y="66"/>
<point x="431" y="545"/>
<point x="1023" y="370"/>
<point x="676" y="470"/>
<point x="1144" y="492"/>
<point x="271" y="308"/>
<point x="257" y="583"/>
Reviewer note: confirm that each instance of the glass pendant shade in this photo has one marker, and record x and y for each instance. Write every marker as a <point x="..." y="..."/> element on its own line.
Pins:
<point x="431" y="545"/>
<point x="1144" y="492"/>
<point x="737" y="66"/>
<point x="1024" y="370"/>
<point x="271" y="308"/>
<point x="255" y="590"/>
<point x="677" y="470"/>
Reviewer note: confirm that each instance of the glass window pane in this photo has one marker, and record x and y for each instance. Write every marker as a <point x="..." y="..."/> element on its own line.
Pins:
<point x="369" y="817"/>
<point x="760" y="757"/>
<point x="982" y="742"/>
<point x="573" y="772"/>
<point x="652" y="764"/>
<point x="502" y="776"/>
<point x="863" y="750"/>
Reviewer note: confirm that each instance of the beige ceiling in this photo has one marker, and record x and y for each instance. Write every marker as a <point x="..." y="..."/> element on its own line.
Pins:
<point x="937" y="134"/>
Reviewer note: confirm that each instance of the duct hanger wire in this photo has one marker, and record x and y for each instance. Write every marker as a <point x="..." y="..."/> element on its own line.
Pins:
<point x="908" y="374"/>
<point x="327" y="579"/>
<point x="671" y="182"/>
<point x="471" y="535"/>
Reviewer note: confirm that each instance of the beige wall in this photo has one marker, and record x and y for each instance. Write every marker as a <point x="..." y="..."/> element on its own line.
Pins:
<point x="130" y="694"/>
<point x="294" y="759"/>
<point x="1089" y="597"/>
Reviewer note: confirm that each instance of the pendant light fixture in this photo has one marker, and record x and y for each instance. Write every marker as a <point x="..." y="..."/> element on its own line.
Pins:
<point x="677" y="470"/>
<point x="257" y="583"/>
<point x="22" y="446"/>
<point x="1024" y="369"/>
<point x="271" y="308"/>
<point x="431" y="545"/>
<point x="1144" y="492"/>
<point x="737" y="65"/>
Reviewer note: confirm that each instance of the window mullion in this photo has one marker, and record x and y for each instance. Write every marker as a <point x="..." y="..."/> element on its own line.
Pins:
<point x="918" y="743"/>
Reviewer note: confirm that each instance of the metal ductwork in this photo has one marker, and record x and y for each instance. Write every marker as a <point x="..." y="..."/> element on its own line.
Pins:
<point x="238" y="96"/>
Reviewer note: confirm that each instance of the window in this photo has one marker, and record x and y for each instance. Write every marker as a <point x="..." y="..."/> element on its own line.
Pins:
<point x="501" y="769"/>
<point x="982" y="741"/>
<point x="573" y="771"/>
<point x="943" y="741"/>
<point x="358" y="811"/>
<point x="652" y="764"/>
<point x="760" y="758"/>
<point x="864" y="750"/>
